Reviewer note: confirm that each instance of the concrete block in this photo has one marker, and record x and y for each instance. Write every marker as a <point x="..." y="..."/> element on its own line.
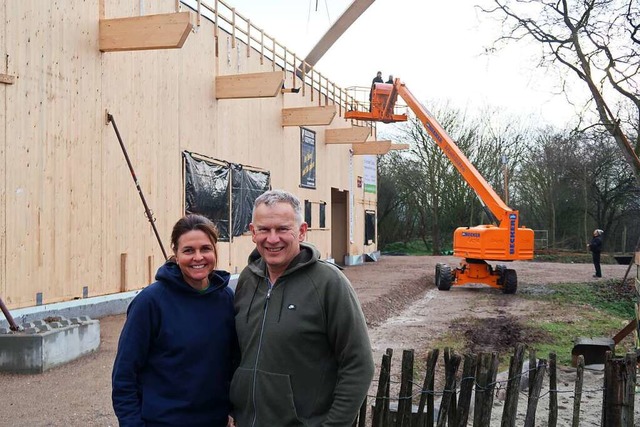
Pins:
<point x="32" y="351"/>
<point x="372" y="256"/>
<point x="44" y="328"/>
<point x="353" y="260"/>
<point x="55" y="325"/>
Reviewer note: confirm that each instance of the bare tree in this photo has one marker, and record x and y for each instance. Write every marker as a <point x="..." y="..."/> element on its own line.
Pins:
<point x="599" y="41"/>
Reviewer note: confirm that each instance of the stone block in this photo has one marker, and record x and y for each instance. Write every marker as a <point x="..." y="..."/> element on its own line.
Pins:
<point x="33" y="351"/>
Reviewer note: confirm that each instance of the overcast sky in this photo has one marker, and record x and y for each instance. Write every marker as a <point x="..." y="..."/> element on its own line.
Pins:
<point x="435" y="47"/>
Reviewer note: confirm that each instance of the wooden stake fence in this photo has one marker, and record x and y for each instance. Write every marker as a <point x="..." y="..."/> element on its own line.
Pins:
<point x="476" y="382"/>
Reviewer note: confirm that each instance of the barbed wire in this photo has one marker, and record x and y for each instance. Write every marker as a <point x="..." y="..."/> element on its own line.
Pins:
<point x="490" y="387"/>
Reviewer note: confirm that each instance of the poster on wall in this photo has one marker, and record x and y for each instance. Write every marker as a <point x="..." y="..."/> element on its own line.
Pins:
<point x="369" y="178"/>
<point x="307" y="158"/>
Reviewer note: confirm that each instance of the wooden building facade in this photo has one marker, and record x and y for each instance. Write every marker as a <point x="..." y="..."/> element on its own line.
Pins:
<point x="177" y="77"/>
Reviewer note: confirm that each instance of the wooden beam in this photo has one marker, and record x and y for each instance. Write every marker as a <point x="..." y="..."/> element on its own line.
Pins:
<point x="399" y="147"/>
<point x="353" y="135"/>
<point x="7" y="79"/>
<point x="253" y="85"/>
<point x="348" y="17"/>
<point x="165" y="31"/>
<point x="308" y="116"/>
<point x="123" y="272"/>
<point x="373" y="147"/>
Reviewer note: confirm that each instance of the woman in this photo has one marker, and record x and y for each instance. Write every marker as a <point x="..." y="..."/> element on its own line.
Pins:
<point x="178" y="346"/>
<point x="596" y="247"/>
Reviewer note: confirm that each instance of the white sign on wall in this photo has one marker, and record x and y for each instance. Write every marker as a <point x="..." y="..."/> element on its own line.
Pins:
<point x="370" y="174"/>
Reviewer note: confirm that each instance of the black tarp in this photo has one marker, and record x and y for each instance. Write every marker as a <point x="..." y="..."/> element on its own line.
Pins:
<point x="247" y="186"/>
<point x="207" y="191"/>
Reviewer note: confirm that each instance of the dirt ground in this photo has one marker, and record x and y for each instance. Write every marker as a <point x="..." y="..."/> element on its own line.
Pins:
<point x="404" y="310"/>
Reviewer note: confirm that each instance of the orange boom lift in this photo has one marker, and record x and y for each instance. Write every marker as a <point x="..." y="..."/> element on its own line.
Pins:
<point x="503" y="240"/>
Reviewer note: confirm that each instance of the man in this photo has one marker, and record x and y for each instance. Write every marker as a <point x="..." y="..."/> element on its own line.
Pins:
<point x="595" y="246"/>
<point x="306" y="354"/>
<point x="376" y="79"/>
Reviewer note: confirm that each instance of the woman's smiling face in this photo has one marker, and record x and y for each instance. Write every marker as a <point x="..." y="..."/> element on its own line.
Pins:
<point x="196" y="258"/>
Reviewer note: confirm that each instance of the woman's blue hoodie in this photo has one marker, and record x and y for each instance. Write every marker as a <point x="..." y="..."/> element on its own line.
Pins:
<point x="176" y="353"/>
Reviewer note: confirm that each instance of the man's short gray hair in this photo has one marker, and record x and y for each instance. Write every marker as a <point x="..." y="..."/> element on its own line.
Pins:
<point x="272" y="197"/>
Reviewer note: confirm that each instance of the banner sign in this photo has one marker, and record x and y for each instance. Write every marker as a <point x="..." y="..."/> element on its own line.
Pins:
<point x="370" y="171"/>
<point x="307" y="158"/>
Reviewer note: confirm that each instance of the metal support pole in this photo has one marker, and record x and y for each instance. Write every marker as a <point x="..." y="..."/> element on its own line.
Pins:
<point x="147" y="211"/>
<point x="5" y="310"/>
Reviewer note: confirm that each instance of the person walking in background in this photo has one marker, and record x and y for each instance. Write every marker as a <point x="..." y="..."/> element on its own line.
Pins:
<point x="178" y="346"/>
<point x="306" y="354"/>
<point x="595" y="246"/>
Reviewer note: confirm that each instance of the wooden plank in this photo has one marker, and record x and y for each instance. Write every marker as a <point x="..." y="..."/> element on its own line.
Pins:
<point x="629" y="389"/>
<point x="353" y="135"/>
<point x="361" y="419"/>
<point x="123" y="272"/>
<point x="7" y="79"/>
<point x="448" y="402"/>
<point x="578" y="392"/>
<point x="382" y="395"/>
<point x="406" y="390"/>
<point x="487" y="369"/>
<point x="163" y="31"/>
<point x="251" y="85"/>
<point x="399" y="147"/>
<point x="374" y="147"/>
<point x="513" y="387"/>
<point x="308" y="116"/>
<point x="427" y="392"/>
<point x="150" y="269"/>
<point x="553" y="391"/>
<point x="534" y="394"/>
<point x="347" y="18"/>
<point x="466" y="388"/>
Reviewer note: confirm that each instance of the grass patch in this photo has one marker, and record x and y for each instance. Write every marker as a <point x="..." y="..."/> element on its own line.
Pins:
<point x="611" y="296"/>
<point x="602" y="309"/>
<point x="568" y="257"/>
<point x="586" y="310"/>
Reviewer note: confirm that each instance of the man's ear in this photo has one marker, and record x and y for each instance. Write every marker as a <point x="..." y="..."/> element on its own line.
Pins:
<point x="253" y="232"/>
<point x="303" y="232"/>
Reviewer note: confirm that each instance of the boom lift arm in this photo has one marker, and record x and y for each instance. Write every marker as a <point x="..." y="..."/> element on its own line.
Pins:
<point x="504" y="240"/>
